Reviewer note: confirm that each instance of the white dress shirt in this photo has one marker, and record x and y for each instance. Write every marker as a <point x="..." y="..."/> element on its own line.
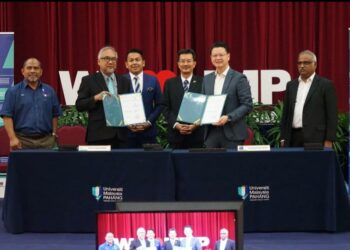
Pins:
<point x="140" y="80"/>
<point x="223" y="244"/>
<point x="188" y="79"/>
<point x="219" y="81"/>
<point x="303" y="90"/>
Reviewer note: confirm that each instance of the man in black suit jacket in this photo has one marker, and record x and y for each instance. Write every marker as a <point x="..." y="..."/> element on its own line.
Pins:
<point x="172" y="242"/>
<point x="182" y="135"/>
<point x="310" y="107"/>
<point x="92" y="89"/>
<point x="140" y="243"/>
<point x="224" y="243"/>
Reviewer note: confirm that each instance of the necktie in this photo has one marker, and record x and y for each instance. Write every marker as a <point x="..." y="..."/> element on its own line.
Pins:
<point x="186" y="85"/>
<point x="110" y="85"/>
<point x="137" y="85"/>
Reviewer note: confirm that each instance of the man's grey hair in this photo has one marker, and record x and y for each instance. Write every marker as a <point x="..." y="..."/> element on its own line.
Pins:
<point x="309" y="52"/>
<point x="106" y="48"/>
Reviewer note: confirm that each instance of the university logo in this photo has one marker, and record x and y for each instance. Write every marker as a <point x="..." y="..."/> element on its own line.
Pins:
<point x="97" y="192"/>
<point x="243" y="191"/>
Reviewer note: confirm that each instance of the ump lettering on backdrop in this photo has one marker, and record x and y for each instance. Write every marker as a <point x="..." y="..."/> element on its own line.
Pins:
<point x="267" y="84"/>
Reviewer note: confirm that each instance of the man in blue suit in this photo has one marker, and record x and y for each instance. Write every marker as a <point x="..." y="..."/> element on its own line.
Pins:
<point x="224" y="243"/>
<point x="149" y="87"/>
<point x="231" y="129"/>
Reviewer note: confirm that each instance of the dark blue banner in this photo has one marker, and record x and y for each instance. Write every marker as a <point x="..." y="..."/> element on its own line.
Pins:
<point x="6" y="62"/>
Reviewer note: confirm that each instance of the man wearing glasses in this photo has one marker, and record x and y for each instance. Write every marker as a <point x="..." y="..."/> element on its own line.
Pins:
<point x="92" y="89"/>
<point x="310" y="107"/>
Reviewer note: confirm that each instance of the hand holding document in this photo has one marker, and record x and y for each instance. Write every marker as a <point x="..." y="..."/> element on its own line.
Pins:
<point x="213" y="109"/>
<point x="201" y="109"/>
<point x="124" y="110"/>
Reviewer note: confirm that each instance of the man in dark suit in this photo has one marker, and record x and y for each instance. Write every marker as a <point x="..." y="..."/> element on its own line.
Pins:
<point x="310" y="107"/>
<point x="153" y="242"/>
<point x="231" y="129"/>
<point x="92" y="89"/>
<point x="224" y="243"/>
<point x="182" y="135"/>
<point x="149" y="88"/>
<point x="172" y="242"/>
<point x="140" y="243"/>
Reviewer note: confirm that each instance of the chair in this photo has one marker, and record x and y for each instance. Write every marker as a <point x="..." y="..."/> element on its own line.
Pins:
<point x="4" y="150"/>
<point x="71" y="135"/>
<point x="250" y="138"/>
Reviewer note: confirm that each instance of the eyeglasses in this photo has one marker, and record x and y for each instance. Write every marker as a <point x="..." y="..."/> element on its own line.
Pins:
<point x="304" y="63"/>
<point x="109" y="59"/>
<point x="218" y="55"/>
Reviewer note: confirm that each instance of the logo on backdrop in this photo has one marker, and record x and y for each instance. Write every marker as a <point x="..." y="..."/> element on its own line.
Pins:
<point x="97" y="192"/>
<point x="254" y="193"/>
<point x="243" y="191"/>
<point x="108" y="194"/>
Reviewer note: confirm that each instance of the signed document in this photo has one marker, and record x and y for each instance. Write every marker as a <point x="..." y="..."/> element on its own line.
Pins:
<point x="133" y="109"/>
<point x="123" y="110"/>
<point x="201" y="109"/>
<point x="213" y="109"/>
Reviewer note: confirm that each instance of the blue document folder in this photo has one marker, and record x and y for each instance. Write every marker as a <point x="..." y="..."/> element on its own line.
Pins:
<point x="192" y="108"/>
<point x="200" y="109"/>
<point x="113" y="111"/>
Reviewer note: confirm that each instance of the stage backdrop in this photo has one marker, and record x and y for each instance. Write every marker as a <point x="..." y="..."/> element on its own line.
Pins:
<point x="265" y="38"/>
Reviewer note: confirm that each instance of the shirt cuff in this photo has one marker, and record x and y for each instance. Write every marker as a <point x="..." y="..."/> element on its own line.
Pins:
<point x="175" y="125"/>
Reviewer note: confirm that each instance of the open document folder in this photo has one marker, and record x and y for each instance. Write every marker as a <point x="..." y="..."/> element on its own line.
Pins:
<point x="201" y="109"/>
<point x="123" y="110"/>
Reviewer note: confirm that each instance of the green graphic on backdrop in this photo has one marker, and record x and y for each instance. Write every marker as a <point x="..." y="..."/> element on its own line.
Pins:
<point x="7" y="65"/>
<point x="9" y="59"/>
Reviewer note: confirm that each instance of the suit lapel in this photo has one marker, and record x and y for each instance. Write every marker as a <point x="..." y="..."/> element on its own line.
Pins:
<point x="211" y="84"/>
<point x="314" y="85"/>
<point x="101" y="81"/>
<point x="178" y="86"/>
<point x="145" y="82"/>
<point x="293" y="93"/>
<point x="227" y="81"/>
<point x="193" y="84"/>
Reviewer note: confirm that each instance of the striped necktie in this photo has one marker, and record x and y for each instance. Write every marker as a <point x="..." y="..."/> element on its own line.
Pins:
<point x="137" y="85"/>
<point x="186" y="85"/>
